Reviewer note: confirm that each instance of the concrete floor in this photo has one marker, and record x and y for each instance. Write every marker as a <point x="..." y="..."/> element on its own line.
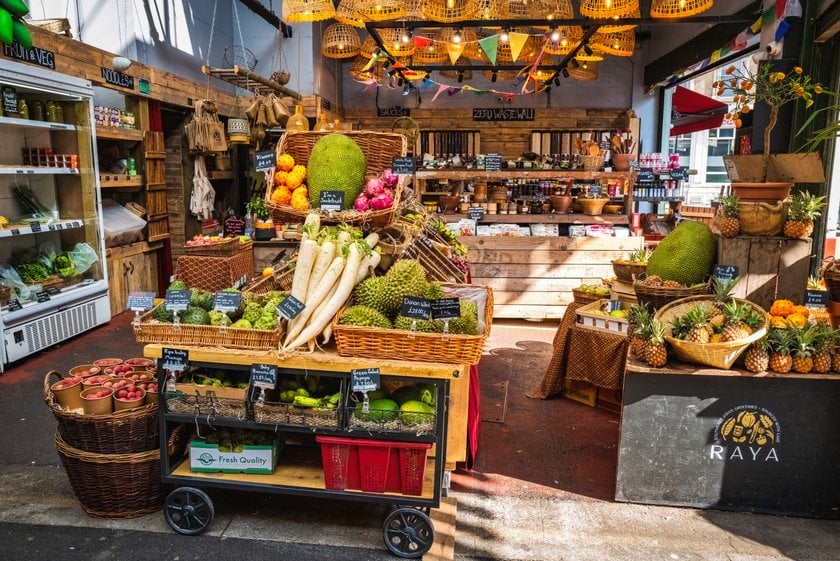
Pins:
<point x="541" y="488"/>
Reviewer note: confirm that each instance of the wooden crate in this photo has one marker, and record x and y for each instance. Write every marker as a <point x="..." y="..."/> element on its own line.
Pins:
<point x="769" y="267"/>
<point x="155" y="172"/>
<point x="158" y="229"/>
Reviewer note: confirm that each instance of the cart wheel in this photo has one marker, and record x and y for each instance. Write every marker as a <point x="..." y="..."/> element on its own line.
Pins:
<point x="408" y="533"/>
<point x="188" y="510"/>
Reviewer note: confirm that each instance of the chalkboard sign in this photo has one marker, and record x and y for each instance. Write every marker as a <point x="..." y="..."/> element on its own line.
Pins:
<point x="43" y="296"/>
<point x="596" y="190"/>
<point x="15" y="231"/>
<point x="115" y="78"/>
<point x="174" y="359"/>
<point x="264" y="375"/>
<point x="35" y="226"/>
<point x="364" y="379"/>
<point x="396" y="111"/>
<point x="493" y="114"/>
<point x="446" y="308"/>
<point x="816" y="298"/>
<point x="265" y="160"/>
<point x="227" y="301"/>
<point x="475" y="213"/>
<point x="415" y="308"/>
<point x="403" y="165"/>
<point x="645" y="175"/>
<point x="53" y="291"/>
<point x="10" y="101"/>
<point x="140" y="301"/>
<point x="331" y="200"/>
<point x="290" y="307"/>
<point x="15" y="305"/>
<point x="177" y="300"/>
<point x="726" y="272"/>
<point x="679" y="174"/>
<point x="493" y="162"/>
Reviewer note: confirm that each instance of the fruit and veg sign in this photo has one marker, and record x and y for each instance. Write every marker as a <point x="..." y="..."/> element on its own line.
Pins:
<point x="416" y="308"/>
<point x="726" y="272"/>
<point x="331" y="200"/>
<point x="248" y="458"/>
<point x="177" y="300"/>
<point x="174" y="359"/>
<point x="140" y="301"/>
<point x="364" y="379"/>
<point x="446" y="308"/>
<point x="264" y="375"/>
<point x="264" y="161"/>
<point x="227" y="301"/>
<point x="290" y="307"/>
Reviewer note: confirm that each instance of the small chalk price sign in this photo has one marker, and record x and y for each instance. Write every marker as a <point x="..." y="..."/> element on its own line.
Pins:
<point x="475" y="213"/>
<point x="331" y="200"/>
<point x="264" y="375"/>
<point x="15" y="305"/>
<point x="726" y="272"/>
<point x="403" y="165"/>
<point x="227" y="301"/>
<point x="43" y="296"/>
<point x="364" y="379"/>
<point x="645" y="175"/>
<point x="35" y="226"/>
<point x="175" y="359"/>
<point x="53" y="291"/>
<point x="290" y="307"/>
<point x="416" y="308"/>
<point x="265" y="160"/>
<point x="816" y="298"/>
<point x="177" y="300"/>
<point x="140" y="301"/>
<point x="493" y="162"/>
<point x="446" y="308"/>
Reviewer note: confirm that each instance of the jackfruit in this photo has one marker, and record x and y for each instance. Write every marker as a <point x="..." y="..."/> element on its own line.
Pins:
<point x="686" y="254"/>
<point x="364" y="316"/>
<point x="406" y="277"/>
<point x="336" y="163"/>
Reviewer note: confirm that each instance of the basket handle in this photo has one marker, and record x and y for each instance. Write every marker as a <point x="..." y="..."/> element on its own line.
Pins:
<point x="49" y="381"/>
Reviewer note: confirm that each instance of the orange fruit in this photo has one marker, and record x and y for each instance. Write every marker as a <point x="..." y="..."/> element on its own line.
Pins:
<point x="267" y="272"/>
<point x="285" y="162"/>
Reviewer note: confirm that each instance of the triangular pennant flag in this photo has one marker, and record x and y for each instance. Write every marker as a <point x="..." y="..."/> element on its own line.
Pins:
<point x="441" y="89"/>
<point x="454" y="50"/>
<point x="420" y="42"/>
<point x="517" y="42"/>
<point x="490" y="45"/>
<point x="468" y="87"/>
<point x="481" y="92"/>
<point x="397" y="65"/>
<point x="427" y="83"/>
<point x="453" y="91"/>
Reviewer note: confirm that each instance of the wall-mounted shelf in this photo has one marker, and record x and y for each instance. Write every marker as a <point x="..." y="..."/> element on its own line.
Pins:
<point x="121" y="181"/>
<point x="119" y="133"/>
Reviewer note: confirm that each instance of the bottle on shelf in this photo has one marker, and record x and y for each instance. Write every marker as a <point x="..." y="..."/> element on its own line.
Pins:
<point x="249" y="225"/>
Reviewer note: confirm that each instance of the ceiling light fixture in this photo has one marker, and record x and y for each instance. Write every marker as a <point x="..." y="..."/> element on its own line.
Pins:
<point x="555" y="35"/>
<point x="406" y="36"/>
<point x="456" y="37"/>
<point x="504" y="36"/>
<point x="450" y="4"/>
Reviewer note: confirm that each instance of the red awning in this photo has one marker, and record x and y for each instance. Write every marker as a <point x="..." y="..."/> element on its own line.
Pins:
<point x="691" y="112"/>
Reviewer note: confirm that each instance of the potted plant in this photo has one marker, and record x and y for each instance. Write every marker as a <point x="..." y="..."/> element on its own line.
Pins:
<point x="775" y="89"/>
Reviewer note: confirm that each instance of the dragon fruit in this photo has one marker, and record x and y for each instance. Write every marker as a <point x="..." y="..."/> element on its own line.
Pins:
<point x="389" y="178"/>
<point x="361" y="203"/>
<point x="382" y="201"/>
<point x="374" y="186"/>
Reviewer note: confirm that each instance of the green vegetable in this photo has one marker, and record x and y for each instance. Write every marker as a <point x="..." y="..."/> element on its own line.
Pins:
<point x="32" y="272"/>
<point x="416" y="413"/>
<point x="305" y="401"/>
<point x="379" y="410"/>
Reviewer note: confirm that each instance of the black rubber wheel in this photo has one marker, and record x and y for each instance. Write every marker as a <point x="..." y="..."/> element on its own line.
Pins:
<point x="188" y="510"/>
<point x="408" y="533"/>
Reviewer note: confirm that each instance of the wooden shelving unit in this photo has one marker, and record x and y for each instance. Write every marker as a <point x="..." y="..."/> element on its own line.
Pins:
<point x="119" y="133"/>
<point x="121" y="181"/>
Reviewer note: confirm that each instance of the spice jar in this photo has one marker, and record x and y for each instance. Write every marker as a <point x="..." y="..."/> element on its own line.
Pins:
<point x="23" y="109"/>
<point x="36" y="110"/>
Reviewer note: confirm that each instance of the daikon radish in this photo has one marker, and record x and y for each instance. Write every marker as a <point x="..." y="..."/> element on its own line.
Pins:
<point x="303" y="268"/>
<point x="322" y="263"/>
<point x="333" y="274"/>
<point x="311" y="227"/>
<point x="369" y="262"/>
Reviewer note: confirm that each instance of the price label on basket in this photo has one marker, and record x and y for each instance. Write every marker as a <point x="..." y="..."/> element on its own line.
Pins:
<point x="475" y="213"/>
<point x="416" y="308"/>
<point x="140" y="301"/>
<point x="331" y="200"/>
<point x="264" y="375"/>
<point x="15" y="305"/>
<point x="227" y="301"/>
<point x="290" y="307"/>
<point x="174" y="359"/>
<point x="43" y="296"/>
<point x="364" y="379"/>
<point x="35" y="226"/>
<point x="53" y="291"/>
<point x="403" y="165"/>
<point x="177" y="300"/>
<point x="726" y="272"/>
<point x="264" y="161"/>
<point x="816" y="298"/>
<point x="446" y="308"/>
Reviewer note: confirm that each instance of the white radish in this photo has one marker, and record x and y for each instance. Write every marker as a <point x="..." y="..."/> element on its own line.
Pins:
<point x="372" y="239"/>
<point x="369" y="262"/>
<point x="303" y="268"/>
<point x="334" y="272"/>
<point x="342" y="292"/>
<point x="322" y="263"/>
<point x="311" y="226"/>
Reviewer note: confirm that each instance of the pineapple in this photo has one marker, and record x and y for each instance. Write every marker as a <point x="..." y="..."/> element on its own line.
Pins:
<point x="638" y="317"/>
<point x="823" y="341"/>
<point x="735" y="327"/>
<point x="656" y="355"/>
<point x="757" y="357"/>
<point x="723" y="291"/>
<point x="779" y="342"/>
<point x="700" y="330"/>
<point x="804" y="209"/>
<point x="803" y="349"/>
<point x="730" y="226"/>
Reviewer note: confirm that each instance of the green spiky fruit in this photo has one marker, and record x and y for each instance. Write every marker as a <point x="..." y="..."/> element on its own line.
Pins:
<point x="406" y="277"/>
<point x="252" y="312"/>
<point x="369" y="293"/>
<point x="162" y="314"/>
<point x="195" y="316"/>
<point x="434" y="291"/>
<point x="178" y="285"/>
<point x="202" y="298"/>
<point x="336" y="163"/>
<point x="364" y="316"/>
<point x="467" y="324"/>
<point x="423" y="325"/>
<point x="685" y="255"/>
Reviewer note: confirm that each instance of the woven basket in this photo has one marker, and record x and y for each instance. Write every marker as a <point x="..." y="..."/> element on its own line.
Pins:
<point x="583" y="297"/>
<point x="117" y="485"/>
<point x="717" y="355"/>
<point x="658" y="296"/>
<point x="154" y="331"/>
<point x="592" y="162"/>
<point x="592" y="207"/>
<point x="222" y="248"/>
<point x="124" y="432"/>
<point x="831" y="277"/>
<point x="379" y="149"/>
<point x="372" y="342"/>
<point x="280" y="280"/>
<point x="215" y="273"/>
<point x="626" y="271"/>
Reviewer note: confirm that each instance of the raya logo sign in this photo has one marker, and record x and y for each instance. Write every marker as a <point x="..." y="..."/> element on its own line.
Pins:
<point x="746" y="433"/>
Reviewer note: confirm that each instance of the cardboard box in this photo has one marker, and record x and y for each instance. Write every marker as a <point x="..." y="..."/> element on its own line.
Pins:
<point x="590" y="316"/>
<point x="218" y="391"/>
<point x="582" y="392"/>
<point x="206" y="458"/>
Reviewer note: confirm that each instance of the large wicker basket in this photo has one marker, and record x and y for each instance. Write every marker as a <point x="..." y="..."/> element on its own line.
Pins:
<point x="122" y="432"/>
<point x="831" y="277"/>
<point x="717" y="355"/>
<point x="154" y="331"/>
<point x="372" y="342"/>
<point x="280" y="280"/>
<point x="379" y="149"/>
<point x="583" y="297"/>
<point x="223" y="248"/>
<point x="658" y="296"/>
<point x="592" y="207"/>
<point x="625" y="271"/>
<point x="216" y="273"/>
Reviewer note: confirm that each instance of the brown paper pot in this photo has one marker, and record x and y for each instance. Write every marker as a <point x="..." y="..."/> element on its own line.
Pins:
<point x="761" y="192"/>
<point x="99" y="405"/>
<point x="84" y="370"/>
<point x="68" y="397"/>
<point x="560" y="203"/>
<point x="621" y="162"/>
<point x="762" y="219"/>
<point x="124" y="404"/>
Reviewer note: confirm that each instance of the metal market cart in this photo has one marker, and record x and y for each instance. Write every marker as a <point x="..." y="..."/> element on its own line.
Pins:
<point x="392" y="462"/>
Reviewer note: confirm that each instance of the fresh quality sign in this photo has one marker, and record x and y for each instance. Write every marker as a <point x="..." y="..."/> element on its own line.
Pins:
<point x="207" y="458"/>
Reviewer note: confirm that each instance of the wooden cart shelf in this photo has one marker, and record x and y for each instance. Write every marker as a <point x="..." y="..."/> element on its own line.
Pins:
<point x="121" y="182"/>
<point x="119" y="133"/>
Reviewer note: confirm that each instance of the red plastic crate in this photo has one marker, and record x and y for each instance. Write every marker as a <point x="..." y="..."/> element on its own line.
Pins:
<point x="374" y="466"/>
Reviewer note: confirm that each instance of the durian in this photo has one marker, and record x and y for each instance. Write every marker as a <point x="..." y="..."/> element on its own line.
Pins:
<point x="364" y="316"/>
<point x="369" y="293"/>
<point x="406" y="277"/>
<point x="434" y="291"/>
<point x="423" y="325"/>
<point x="467" y="324"/>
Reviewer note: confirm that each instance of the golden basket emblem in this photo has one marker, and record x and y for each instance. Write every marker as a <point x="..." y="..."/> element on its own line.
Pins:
<point x="749" y="426"/>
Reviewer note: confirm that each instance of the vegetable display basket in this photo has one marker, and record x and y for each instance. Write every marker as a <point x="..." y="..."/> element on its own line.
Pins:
<point x="717" y="355"/>
<point x="379" y="149"/>
<point x="123" y="432"/>
<point x="584" y="297"/>
<point x="280" y="280"/>
<point x="223" y="248"/>
<point x="831" y="277"/>
<point x="374" y="342"/>
<point x="153" y="331"/>
<point x="592" y="207"/>
<point x="658" y="296"/>
<point x="215" y="273"/>
<point x="625" y="271"/>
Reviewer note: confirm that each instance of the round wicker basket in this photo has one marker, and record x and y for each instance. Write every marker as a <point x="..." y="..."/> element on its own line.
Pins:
<point x="658" y="296"/>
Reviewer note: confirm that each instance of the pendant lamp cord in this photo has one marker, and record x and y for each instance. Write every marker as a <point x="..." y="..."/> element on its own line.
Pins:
<point x="210" y="46"/>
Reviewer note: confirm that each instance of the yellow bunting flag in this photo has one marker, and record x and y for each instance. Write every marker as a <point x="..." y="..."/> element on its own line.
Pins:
<point x="517" y="42"/>
<point x="455" y="50"/>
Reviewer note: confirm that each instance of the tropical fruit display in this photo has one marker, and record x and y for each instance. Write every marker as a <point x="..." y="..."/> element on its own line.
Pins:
<point x="685" y="256"/>
<point x="336" y="163"/>
<point x="730" y="224"/>
<point x="804" y="209"/>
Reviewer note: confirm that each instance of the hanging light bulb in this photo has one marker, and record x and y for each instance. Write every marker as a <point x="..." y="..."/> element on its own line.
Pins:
<point x="555" y="35"/>
<point x="450" y="4"/>
<point x="456" y="37"/>
<point x="504" y="36"/>
<point x="406" y="36"/>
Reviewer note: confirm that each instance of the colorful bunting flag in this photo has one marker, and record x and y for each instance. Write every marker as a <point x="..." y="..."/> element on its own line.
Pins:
<point x="455" y="50"/>
<point x="490" y="45"/>
<point x="517" y="42"/>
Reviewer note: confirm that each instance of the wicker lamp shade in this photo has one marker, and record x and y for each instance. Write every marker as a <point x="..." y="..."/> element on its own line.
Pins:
<point x="440" y="10"/>
<point x="414" y="10"/>
<point x="525" y="9"/>
<point x="433" y="53"/>
<point x="558" y="9"/>
<point x="602" y="9"/>
<point x="368" y="47"/>
<point x="381" y="10"/>
<point x="621" y="43"/>
<point x="302" y="11"/>
<point x="393" y="40"/>
<point x="570" y="36"/>
<point x="541" y="75"/>
<point x="678" y="8"/>
<point x="586" y="71"/>
<point x="340" y="41"/>
<point x="583" y="56"/>
<point x="489" y="10"/>
<point x="637" y="13"/>
<point x="346" y="12"/>
<point x="357" y="71"/>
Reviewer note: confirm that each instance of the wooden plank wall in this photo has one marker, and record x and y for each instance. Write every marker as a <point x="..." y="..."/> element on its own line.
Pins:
<point x="533" y="277"/>
<point x="510" y="139"/>
<point x="178" y="165"/>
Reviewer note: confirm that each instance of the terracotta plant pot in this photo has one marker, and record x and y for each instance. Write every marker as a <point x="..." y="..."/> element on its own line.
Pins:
<point x="621" y="162"/>
<point x="448" y="203"/>
<point x="761" y="192"/>
<point x="560" y="203"/>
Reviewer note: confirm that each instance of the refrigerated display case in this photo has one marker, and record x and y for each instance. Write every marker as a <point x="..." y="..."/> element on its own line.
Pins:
<point x="49" y="206"/>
